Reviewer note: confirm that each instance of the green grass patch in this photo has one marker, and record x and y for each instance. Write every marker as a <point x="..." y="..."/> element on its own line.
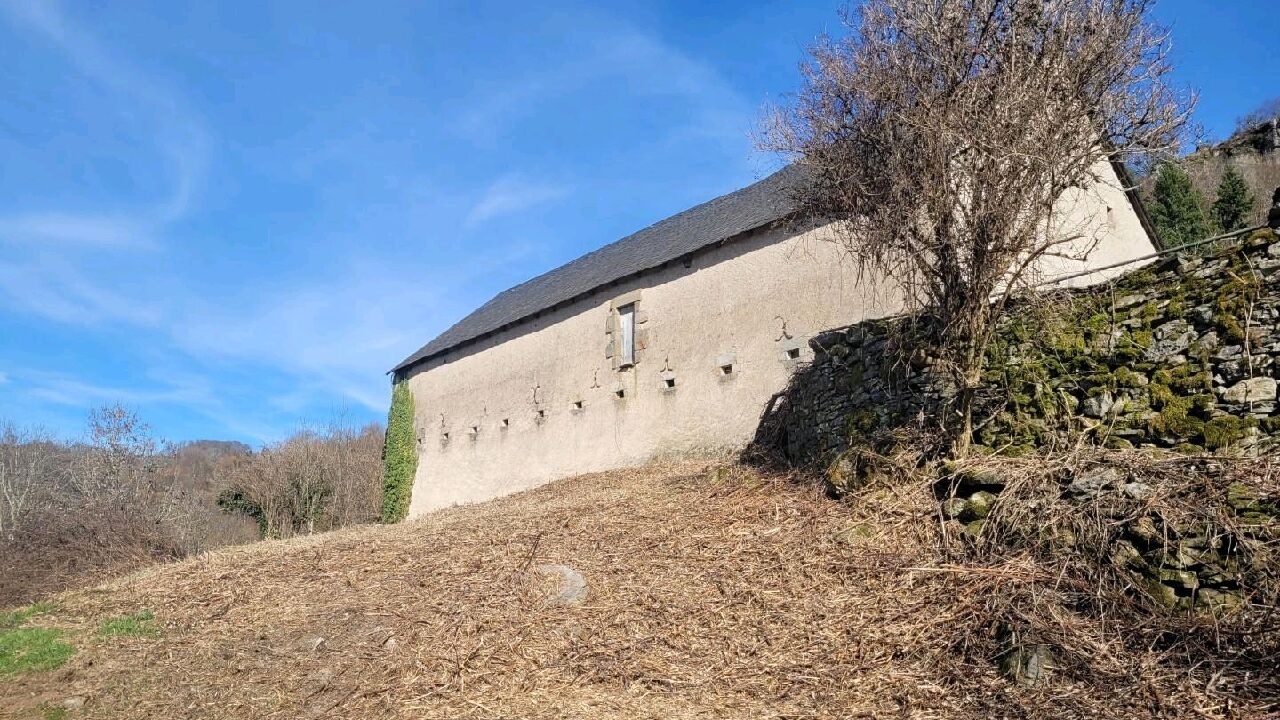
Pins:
<point x="18" y="618"/>
<point x="53" y="712"/>
<point x="32" y="650"/>
<point x="139" y="624"/>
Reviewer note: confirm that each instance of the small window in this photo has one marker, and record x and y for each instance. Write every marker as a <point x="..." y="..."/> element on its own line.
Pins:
<point x="542" y="414"/>
<point x="620" y="393"/>
<point x="793" y="353"/>
<point x="577" y="404"/>
<point x="627" y="335"/>
<point x="474" y="431"/>
<point x="506" y="423"/>
<point x="726" y="369"/>
<point x="444" y="437"/>
<point x="669" y="383"/>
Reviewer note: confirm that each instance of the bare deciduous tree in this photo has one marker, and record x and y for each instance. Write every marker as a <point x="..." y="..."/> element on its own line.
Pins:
<point x="27" y="465"/>
<point x="1269" y="110"/>
<point x="310" y="482"/>
<point x="122" y="459"/>
<point x="940" y="135"/>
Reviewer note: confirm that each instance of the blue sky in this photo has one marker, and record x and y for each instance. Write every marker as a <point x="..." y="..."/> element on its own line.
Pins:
<point x="235" y="217"/>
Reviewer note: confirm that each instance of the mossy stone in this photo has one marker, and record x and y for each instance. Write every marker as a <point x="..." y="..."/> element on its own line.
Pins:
<point x="977" y="507"/>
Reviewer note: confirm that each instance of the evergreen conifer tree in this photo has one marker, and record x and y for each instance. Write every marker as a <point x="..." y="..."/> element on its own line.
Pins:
<point x="1233" y="210"/>
<point x="1178" y="210"/>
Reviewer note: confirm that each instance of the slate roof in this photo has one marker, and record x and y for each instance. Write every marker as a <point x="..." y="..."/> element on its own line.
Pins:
<point x="720" y="219"/>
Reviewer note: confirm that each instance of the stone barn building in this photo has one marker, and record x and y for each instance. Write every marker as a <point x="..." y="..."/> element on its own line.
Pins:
<point x="665" y="344"/>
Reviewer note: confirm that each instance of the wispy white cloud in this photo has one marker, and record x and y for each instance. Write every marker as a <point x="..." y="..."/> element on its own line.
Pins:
<point x="74" y="392"/>
<point x="55" y="290"/>
<point x="620" y="56"/>
<point x="513" y="193"/>
<point x="61" y="227"/>
<point x="173" y="130"/>
<point x="190" y="392"/>
<point x="64" y="264"/>
<point x="332" y="341"/>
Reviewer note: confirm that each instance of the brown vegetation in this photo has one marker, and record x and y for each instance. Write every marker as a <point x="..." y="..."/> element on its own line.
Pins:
<point x="73" y="514"/>
<point x="712" y="592"/>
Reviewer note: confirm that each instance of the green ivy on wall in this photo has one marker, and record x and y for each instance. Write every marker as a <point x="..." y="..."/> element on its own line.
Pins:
<point x="399" y="456"/>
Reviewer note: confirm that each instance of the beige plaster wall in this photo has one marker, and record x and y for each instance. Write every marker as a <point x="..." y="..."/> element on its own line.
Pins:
<point x="509" y="404"/>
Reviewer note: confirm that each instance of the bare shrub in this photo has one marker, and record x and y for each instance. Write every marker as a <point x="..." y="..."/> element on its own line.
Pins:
<point x="28" y="462"/>
<point x="71" y="514"/>
<point x="311" y="482"/>
<point x="940" y="137"/>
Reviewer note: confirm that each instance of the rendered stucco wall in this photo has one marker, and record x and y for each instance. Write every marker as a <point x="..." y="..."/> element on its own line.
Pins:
<point x="502" y="415"/>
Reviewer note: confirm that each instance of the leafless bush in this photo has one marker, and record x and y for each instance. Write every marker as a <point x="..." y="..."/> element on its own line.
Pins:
<point x="941" y="136"/>
<point x="102" y="506"/>
<point x="75" y="513"/>
<point x="313" y="481"/>
<point x="28" y="462"/>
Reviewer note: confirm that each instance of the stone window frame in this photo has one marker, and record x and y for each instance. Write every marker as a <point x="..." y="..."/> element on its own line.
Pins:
<point x="612" y="331"/>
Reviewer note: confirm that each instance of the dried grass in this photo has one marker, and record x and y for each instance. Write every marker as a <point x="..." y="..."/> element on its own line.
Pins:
<point x="713" y="592"/>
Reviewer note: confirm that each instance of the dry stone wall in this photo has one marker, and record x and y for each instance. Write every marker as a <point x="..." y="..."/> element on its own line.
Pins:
<point x="1183" y="354"/>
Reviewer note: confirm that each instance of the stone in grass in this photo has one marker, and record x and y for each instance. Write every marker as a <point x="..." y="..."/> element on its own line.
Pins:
<point x="965" y="481"/>
<point x="1136" y="490"/>
<point x="1218" y="601"/>
<point x="310" y="643"/>
<point x="1089" y="484"/>
<point x="973" y="530"/>
<point x="1124" y="554"/>
<point x="573" y="586"/>
<point x="1027" y="665"/>
<point x="977" y="507"/>
<point x="1175" y="578"/>
<point x="1161" y="593"/>
<point x="952" y="507"/>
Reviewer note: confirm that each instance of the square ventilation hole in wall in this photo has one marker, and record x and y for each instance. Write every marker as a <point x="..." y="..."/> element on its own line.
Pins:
<point x="473" y="431"/>
<point x="540" y="415"/>
<point x="444" y="437"/>
<point x="620" y="393"/>
<point x="726" y="364"/>
<point x="577" y="404"/>
<point x="793" y="353"/>
<point x="669" y="383"/>
<point x="506" y="423"/>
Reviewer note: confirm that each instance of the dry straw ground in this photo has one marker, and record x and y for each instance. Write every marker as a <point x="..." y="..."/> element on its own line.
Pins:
<point x="713" y="592"/>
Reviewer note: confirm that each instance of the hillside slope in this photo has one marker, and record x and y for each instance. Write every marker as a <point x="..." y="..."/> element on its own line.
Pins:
<point x="712" y="592"/>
